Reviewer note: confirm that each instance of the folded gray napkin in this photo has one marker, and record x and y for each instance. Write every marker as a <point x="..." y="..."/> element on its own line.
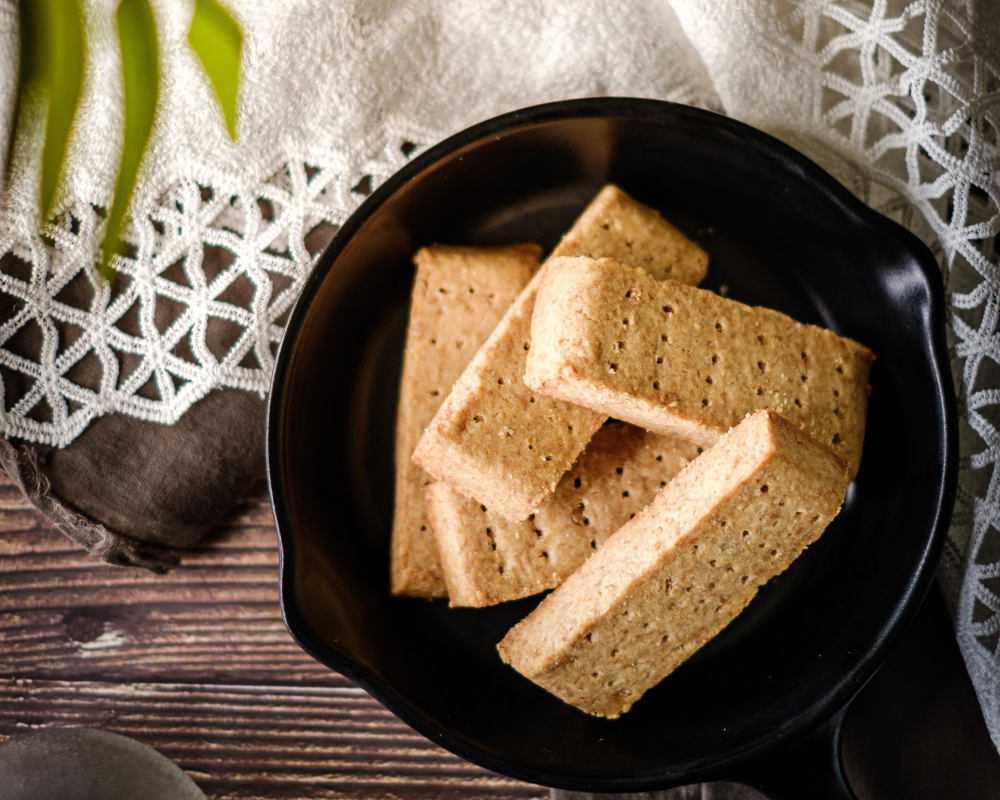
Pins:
<point x="136" y="493"/>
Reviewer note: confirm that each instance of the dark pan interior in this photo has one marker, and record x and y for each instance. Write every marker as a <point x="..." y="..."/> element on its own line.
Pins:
<point x="780" y="234"/>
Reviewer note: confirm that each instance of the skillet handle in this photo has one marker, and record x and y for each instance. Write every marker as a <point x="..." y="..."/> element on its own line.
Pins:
<point x="811" y="769"/>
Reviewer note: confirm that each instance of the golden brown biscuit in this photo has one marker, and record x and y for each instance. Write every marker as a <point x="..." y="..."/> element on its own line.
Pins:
<point x="459" y="295"/>
<point x="497" y="441"/>
<point x="487" y="560"/>
<point x="676" y="359"/>
<point x="616" y="226"/>
<point x="677" y="574"/>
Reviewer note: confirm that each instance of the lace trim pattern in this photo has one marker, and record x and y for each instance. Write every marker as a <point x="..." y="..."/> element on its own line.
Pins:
<point x="151" y="337"/>
<point x="911" y="91"/>
<point x="333" y="97"/>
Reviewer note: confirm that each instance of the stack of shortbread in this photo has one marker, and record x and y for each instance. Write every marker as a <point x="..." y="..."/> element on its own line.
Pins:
<point x="741" y="430"/>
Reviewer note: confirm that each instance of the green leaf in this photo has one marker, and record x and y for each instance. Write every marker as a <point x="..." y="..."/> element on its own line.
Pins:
<point x="217" y="40"/>
<point x="52" y="50"/>
<point x="65" y="35"/>
<point x="141" y="69"/>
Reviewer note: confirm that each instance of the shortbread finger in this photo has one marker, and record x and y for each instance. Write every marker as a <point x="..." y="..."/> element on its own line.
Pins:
<point x="616" y="226"/>
<point x="459" y="295"/>
<point x="497" y="441"/>
<point x="487" y="560"/>
<point x="676" y="359"/>
<point x="683" y="569"/>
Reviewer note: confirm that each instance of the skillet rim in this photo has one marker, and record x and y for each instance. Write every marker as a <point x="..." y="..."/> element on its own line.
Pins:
<point x="905" y="609"/>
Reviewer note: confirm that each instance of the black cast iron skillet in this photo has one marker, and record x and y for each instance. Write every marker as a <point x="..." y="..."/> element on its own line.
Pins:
<point x="762" y="702"/>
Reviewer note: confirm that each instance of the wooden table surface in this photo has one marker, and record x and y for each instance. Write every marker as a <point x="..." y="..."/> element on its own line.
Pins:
<point x="198" y="664"/>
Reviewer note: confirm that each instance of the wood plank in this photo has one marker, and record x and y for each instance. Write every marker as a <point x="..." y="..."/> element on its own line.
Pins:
<point x="66" y="616"/>
<point x="198" y="664"/>
<point x="263" y="742"/>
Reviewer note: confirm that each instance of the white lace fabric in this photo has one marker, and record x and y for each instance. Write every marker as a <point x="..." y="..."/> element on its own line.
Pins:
<point x="334" y="98"/>
<point x="900" y="100"/>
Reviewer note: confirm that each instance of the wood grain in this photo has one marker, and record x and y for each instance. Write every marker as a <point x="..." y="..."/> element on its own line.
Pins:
<point x="198" y="664"/>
